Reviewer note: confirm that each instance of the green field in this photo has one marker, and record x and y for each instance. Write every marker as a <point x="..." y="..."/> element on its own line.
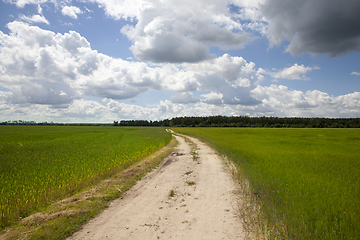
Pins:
<point x="39" y="164"/>
<point x="308" y="179"/>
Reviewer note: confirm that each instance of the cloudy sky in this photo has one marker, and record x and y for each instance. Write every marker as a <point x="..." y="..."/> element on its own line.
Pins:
<point x="106" y="60"/>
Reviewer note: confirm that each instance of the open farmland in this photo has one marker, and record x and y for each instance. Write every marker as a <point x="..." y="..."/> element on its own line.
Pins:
<point x="41" y="164"/>
<point x="308" y="180"/>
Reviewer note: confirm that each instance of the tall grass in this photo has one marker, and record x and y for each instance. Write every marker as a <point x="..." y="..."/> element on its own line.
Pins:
<point x="39" y="164"/>
<point x="308" y="179"/>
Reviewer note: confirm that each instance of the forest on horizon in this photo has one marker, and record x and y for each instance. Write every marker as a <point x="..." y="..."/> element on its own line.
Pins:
<point x="218" y="121"/>
<point x="245" y="121"/>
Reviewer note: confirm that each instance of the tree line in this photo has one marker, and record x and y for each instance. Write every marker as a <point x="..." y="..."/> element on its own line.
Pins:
<point x="33" y="123"/>
<point x="218" y="121"/>
<point x="245" y="121"/>
<point x="142" y="123"/>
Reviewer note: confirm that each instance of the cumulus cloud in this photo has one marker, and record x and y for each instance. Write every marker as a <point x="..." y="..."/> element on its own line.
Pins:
<point x="295" y="72"/>
<point x="260" y="74"/>
<point x="186" y="30"/>
<point x="162" y="110"/>
<point x="355" y="73"/>
<point x="174" y="32"/>
<point x="48" y="75"/>
<point x="71" y="11"/>
<point x="185" y="97"/>
<point x="43" y="92"/>
<point x="230" y="68"/>
<point x="318" y="27"/>
<point x="41" y="67"/>
<point x="232" y="77"/>
<point x="213" y="98"/>
<point x="170" y="48"/>
<point x="128" y="10"/>
<point x="278" y="100"/>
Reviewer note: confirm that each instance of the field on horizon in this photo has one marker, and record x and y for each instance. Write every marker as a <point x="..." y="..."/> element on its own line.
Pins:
<point x="308" y="179"/>
<point x="39" y="164"/>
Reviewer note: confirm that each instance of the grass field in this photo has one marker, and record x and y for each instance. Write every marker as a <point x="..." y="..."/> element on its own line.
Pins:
<point x="308" y="180"/>
<point x="39" y="164"/>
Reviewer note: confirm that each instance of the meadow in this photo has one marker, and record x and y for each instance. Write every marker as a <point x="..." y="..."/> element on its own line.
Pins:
<point x="40" y="164"/>
<point x="307" y="180"/>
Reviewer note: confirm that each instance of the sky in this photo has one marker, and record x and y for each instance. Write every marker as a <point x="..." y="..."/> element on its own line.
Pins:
<point x="110" y="60"/>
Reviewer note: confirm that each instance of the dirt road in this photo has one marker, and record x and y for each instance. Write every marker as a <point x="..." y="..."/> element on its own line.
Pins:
<point x="191" y="196"/>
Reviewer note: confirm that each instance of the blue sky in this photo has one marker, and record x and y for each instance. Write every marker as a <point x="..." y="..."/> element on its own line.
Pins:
<point x="106" y="60"/>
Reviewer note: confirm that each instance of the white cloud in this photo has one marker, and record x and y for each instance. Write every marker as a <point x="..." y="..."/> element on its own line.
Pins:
<point x="295" y="72"/>
<point x="177" y="32"/>
<point x="39" y="10"/>
<point x="213" y="98"/>
<point x="22" y="3"/>
<point x="260" y="74"/>
<point x="231" y="76"/>
<point x="71" y="11"/>
<point x="88" y="10"/>
<point x="280" y="101"/>
<point x="43" y="68"/>
<point x="184" y="97"/>
<point x="48" y="75"/>
<point x="32" y="59"/>
<point x="128" y="10"/>
<point x="34" y="18"/>
<point x="63" y="67"/>
<point x="355" y="73"/>
<point x="316" y="27"/>
<point x="43" y="92"/>
<point x="230" y="68"/>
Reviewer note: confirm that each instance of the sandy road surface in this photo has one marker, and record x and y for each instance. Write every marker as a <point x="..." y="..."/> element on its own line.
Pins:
<point x="204" y="210"/>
